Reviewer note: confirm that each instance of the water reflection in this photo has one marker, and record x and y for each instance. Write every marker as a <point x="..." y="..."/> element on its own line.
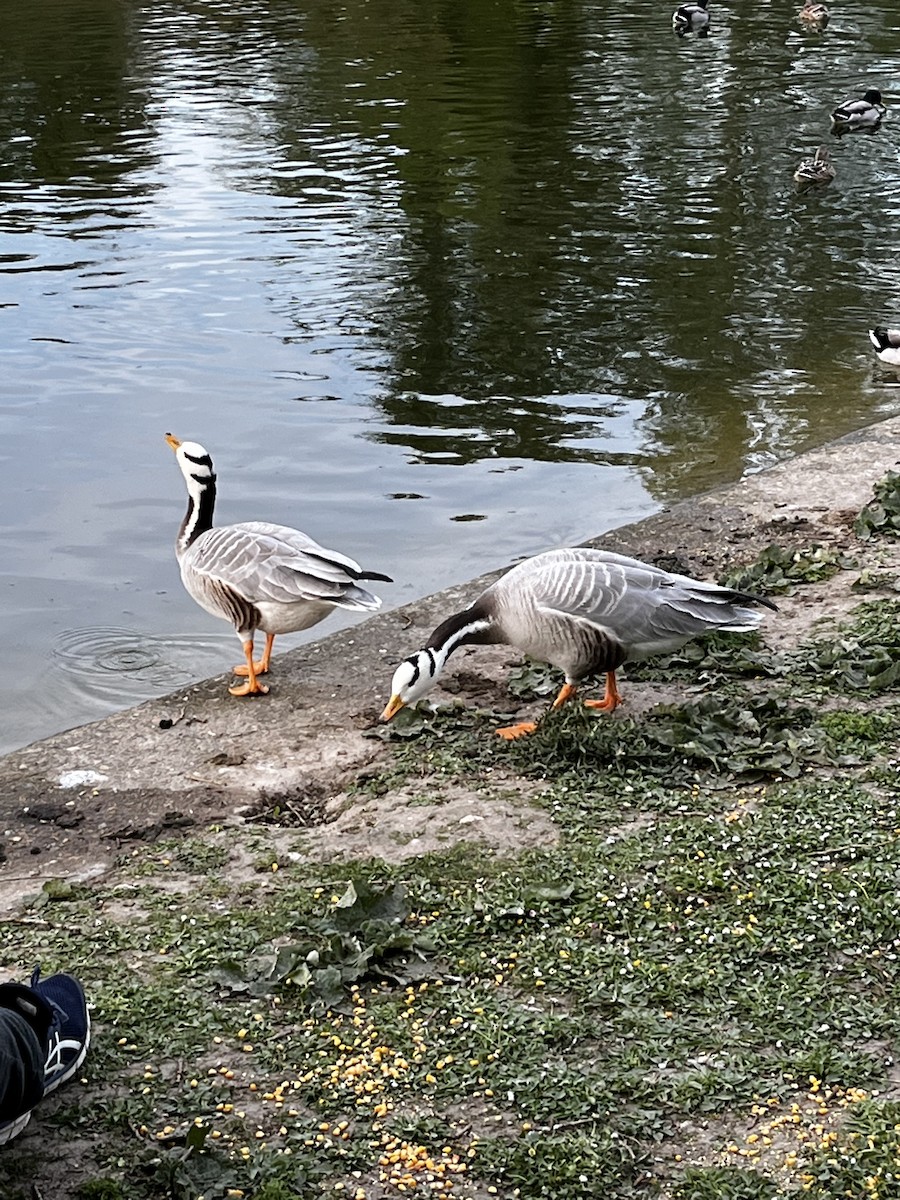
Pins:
<point x="350" y="246"/>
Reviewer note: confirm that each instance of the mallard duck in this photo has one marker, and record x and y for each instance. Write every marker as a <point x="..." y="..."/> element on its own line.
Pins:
<point x="865" y="113"/>
<point x="586" y="612"/>
<point x="887" y="344"/>
<point x="691" y="18"/>
<point x="257" y="575"/>
<point x="815" y="172"/>
<point x="816" y="15"/>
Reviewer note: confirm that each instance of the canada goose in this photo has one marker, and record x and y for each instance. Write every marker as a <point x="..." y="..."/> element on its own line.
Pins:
<point x="815" y="172"/>
<point x="586" y="612"/>
<point x="865" y="113"/>
<point x="258" y="575"/>
<point x="887" y="344"/>
<point x="814" y="15"/>
<point x="691" y="18"/>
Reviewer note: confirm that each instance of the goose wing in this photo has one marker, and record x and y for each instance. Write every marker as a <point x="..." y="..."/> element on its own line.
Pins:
<point x="263" y="562"/>
<point x="642" y="607"/>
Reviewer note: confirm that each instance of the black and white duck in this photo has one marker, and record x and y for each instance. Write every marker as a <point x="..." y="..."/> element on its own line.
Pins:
<point x="854" y="115"/>
<point x="691" y="18"/>
<point x="887" y="344"/>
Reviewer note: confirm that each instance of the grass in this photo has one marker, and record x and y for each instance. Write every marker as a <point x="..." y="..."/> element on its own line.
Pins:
<point x="692" y="994"/>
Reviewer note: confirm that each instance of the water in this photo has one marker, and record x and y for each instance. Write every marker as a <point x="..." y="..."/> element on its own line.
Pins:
<point x="441" y="283"/>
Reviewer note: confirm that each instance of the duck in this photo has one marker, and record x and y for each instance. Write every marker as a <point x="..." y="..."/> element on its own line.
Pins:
<point x="887" y="344"/>
<point x="816" y="15"/>
<point x="584" y="611"/>
<point x="691" y="18"/>
<point x="815" y="172"/>
<point x="257" y="575"/>
<point x="864" y="113"/>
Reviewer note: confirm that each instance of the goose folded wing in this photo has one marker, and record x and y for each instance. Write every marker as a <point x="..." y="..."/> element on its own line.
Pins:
<point x="637" y="603"/>
<point x="262" y="565"/>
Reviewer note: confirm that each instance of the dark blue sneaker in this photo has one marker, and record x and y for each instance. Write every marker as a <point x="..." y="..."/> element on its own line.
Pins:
<point x="70" y="1027"/>
<point x="55" y="1009"/>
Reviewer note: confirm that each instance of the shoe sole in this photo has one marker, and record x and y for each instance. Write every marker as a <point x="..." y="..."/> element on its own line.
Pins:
<point x="14" y="1128"/>
<point x="70" y="1070"/>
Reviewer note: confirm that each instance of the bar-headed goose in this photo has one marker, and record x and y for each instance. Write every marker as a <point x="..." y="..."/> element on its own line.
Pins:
<point x="258" y="575"/>
<point x="887" y="344"/>
<point x="586" y="612"/>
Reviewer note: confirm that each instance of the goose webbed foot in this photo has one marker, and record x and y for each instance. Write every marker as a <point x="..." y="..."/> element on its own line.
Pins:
<point x="611" y="697"/>
<point x="510" y="732"/>
<point x="250" y="688"/>
<point x="259" y="668"/>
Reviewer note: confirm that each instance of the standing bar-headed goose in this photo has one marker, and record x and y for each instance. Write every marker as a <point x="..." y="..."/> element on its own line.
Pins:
<point x="586" y="612"/>
<point x="258" y="575"/>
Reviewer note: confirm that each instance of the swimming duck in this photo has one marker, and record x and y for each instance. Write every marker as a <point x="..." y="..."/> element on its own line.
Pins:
<point x="815" y="172"/>
<point x="865" y="113"/>
<point x="257" y="575"/>
<point x="691" y="18"/>
<point x="816" y="15"/>
<point x="887" y="344"/>
<point x="586" y="612"/>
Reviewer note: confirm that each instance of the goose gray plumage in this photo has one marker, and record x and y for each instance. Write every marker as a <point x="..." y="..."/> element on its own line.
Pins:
<point x="863" y="114"/>
<point x="887" y="344"/>
<point x="691" y="18"/>
<point x="586" y="612"/>
<point x="816" y="171"/>
<point x="258" y="575"/>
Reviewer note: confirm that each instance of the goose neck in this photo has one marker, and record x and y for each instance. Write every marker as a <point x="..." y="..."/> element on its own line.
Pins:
<point x="199" y="516"/>
<point x="473" y="626"/>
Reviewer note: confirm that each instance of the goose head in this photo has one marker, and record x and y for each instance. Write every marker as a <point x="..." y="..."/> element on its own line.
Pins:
<point x="413" y="679"/>
<point x="195" y="463"/>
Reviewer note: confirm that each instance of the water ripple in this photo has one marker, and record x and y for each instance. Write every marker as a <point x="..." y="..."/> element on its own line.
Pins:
<point x="126" y="665"/>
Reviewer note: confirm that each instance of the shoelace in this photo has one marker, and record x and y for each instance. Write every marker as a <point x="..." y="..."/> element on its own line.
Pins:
<point x="56" y="1043"/>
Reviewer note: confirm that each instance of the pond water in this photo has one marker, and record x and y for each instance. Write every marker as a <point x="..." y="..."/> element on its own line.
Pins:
<point x="442" y="283"/>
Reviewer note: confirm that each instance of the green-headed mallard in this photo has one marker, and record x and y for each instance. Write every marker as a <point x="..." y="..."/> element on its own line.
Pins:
<point x="887" y="344"/>
<point x="691" y="18"/>
<point x="865" y="113"/>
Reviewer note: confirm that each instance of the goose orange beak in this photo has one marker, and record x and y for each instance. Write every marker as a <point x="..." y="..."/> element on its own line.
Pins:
<point x="393" y="707"/>
<point x="173" y="441"/>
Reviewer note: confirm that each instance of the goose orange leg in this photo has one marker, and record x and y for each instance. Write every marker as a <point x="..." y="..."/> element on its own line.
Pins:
<point x="510" y="732"/>
<point x="611" y="697"/>
<point x="261" y="667"/>
<point x="252" y="687"/>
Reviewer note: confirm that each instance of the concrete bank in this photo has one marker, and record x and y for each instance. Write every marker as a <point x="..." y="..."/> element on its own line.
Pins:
<point x="69" y="803"/>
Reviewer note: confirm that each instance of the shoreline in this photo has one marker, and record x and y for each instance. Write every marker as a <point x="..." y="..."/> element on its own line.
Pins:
<point x="199" y="756"/>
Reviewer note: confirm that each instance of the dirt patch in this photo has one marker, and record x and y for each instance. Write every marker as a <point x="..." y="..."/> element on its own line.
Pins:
<point x="412" y="821"/>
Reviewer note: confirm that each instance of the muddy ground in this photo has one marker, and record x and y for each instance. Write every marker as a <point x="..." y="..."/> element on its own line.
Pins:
<point x="197" y="758"/>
